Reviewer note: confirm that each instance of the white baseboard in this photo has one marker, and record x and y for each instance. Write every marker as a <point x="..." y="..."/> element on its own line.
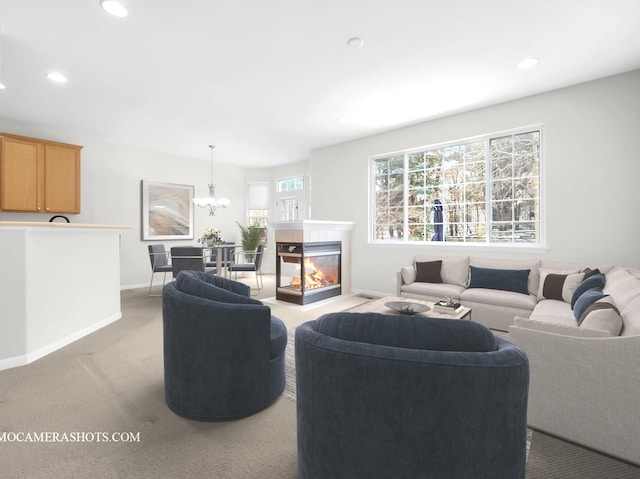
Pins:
<point x="139" y="285"/>
<point x="32" y="356"/>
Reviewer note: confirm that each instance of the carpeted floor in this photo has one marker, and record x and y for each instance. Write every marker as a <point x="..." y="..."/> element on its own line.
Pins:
<point x="552" y="458"/>
<point x="111" y="383"/>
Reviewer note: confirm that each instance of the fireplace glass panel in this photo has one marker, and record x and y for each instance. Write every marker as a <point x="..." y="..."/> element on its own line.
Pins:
<point x="307" y="272"/>
<point x="319" y="272"/>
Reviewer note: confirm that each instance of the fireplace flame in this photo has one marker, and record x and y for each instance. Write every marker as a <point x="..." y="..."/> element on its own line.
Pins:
<point x="313" y="277"/>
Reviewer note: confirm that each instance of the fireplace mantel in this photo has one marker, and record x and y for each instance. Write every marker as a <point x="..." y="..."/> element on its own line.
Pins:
<point x="312" y="230"/>
<point x="311" y="224"/>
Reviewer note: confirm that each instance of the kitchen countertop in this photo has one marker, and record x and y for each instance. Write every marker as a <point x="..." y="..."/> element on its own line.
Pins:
<point x="47" y="224"/>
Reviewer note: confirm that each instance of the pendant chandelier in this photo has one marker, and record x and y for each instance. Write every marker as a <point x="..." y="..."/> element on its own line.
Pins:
<point x="211" y="201"/>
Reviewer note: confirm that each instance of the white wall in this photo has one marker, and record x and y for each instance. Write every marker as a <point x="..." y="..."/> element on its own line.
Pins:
<point x="591" y="171"/>
<point x="111" y="175"/>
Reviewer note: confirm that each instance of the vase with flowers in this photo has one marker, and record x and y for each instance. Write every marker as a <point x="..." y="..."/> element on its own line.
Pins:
<point x="211" y="236"/>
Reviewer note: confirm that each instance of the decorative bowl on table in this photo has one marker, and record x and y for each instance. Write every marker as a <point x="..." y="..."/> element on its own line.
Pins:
<point x="407" y="307"/>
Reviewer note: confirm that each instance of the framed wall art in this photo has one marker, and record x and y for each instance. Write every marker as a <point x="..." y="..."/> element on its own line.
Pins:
<point x="167" y="211"/>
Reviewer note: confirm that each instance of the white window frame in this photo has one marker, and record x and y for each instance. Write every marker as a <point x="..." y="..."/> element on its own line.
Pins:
<point x="290" y="202"/>
<point x="257" y="203"/>
<point x="541" y="243"/>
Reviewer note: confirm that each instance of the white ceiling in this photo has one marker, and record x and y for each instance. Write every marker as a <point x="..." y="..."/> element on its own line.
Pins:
<point x="267" y="81"/>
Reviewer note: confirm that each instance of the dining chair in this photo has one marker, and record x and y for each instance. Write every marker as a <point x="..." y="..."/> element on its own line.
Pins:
<point x="187" y="258"/>
<point x="159" y="263"/>
<point x="249" y="267"/>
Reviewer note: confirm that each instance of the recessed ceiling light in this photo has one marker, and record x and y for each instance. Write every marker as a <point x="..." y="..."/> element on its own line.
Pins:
<point x="355" y="42"/>
<point x="342" y="120"/>
<point x="57" y="77"/>
<point x="527" y="63"/>
<point x="2" y="87"/>
<point x="114" y="8"/>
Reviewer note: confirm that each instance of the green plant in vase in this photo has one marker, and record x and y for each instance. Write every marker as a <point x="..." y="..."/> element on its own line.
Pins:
<point x="251" y="236"/>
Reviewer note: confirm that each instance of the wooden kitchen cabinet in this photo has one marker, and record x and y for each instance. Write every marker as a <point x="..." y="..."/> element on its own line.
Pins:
<point x="39" y="175"/>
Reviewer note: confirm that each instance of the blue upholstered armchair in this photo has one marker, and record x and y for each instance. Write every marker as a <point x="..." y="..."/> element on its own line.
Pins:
<point x="223" y="351"/>
<point x="385" y="396"/>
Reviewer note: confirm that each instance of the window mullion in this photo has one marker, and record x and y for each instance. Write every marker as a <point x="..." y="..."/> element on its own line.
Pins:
<point x="405" y="199"/>
<point x="488" y="191"/>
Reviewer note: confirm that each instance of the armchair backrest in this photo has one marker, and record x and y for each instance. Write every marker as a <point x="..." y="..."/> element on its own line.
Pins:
<point x="408" y="332"/>
<point x="209" y="286"/>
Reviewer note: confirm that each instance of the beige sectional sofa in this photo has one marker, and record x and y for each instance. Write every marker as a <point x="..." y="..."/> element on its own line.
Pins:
<point x="585" y="378"/>
<point x="494" y="308"/>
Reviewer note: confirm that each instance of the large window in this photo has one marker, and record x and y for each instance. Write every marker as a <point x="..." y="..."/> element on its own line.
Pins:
<point x="486" y="190"/>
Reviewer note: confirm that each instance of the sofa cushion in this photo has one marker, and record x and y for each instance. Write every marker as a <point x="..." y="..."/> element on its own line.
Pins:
<point x="503" y="279"/>
<point x="408" y="274"/>
<point x="429" y="272"/>
<point x="585" y="300"/>
<point x="594" y="281"/>
<point x="602" y="315"/>
<point x="455" y="269"/>
<point x="407" y="331"/>
<point x="204" y="286"/>
<point x="570" y="266"/>
<point x="558" y="285"/>
<point x="498" y="298"/>
<point x="622" y="286"/>
<point x="435" y="290"/>
<point x="552" y="310"/>
<point x="588" y="272"/>
<point x="533" y="265"/>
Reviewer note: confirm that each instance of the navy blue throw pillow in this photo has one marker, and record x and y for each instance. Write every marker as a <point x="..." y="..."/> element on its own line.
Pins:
<point x="515" y="280"/>
<point x="594" y="281"/>
<point x="585" y="300"/>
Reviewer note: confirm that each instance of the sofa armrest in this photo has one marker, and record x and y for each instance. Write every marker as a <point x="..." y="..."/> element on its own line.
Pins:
<point x="549" y="327"/>
<point x="406" y="275"/>
<point x="584" y="389"/>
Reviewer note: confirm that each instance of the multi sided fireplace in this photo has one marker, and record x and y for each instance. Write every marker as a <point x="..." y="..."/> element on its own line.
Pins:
<point x="308" y="272"/>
